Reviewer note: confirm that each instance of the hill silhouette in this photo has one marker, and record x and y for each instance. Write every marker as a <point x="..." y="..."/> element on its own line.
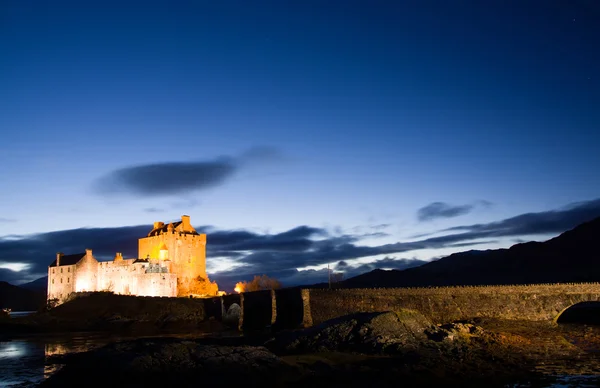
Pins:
<point x="21" y="299"/>
<point x="40" y="284"/>
<point x="572" y="256"/>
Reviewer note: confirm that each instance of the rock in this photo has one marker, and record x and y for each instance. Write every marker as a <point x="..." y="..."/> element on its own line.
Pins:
<point x="362" y="332"/>
<point x="453" y="332"/>
<point x="169" y="361"/>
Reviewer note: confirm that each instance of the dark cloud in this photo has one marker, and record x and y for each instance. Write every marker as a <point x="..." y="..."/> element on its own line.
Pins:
<point x="437" y="210"/>
<point x="256" y="253"/>
<point x="168" y="178"/>
<point x="292" y="277"/>
<point x="279" y="255"/>
<point x="548" y="222"/>
<point x="39" y="250"/>
<point x="442" y="210"/>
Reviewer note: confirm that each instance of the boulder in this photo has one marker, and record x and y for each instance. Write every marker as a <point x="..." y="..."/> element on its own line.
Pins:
<point x="362" y="332"/>
<point x="169" y="361"/>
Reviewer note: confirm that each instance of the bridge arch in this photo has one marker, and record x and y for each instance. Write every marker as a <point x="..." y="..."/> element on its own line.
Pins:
<point x="585" y="312"/>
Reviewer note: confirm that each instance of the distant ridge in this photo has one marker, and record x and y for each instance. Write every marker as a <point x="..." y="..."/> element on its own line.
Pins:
<point x="572" y="257"/>
<point x="20" y="299"/>
<point x="40" y="284"/>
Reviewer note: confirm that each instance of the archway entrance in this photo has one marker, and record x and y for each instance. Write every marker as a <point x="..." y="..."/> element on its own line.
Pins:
<point x="581" y="313"/>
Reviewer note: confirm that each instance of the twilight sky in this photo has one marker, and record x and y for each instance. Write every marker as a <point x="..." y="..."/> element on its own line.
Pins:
<point x="296" y="134"/>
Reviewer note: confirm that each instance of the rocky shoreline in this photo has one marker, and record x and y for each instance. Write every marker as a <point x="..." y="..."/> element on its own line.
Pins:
<point x="386" y="349"/>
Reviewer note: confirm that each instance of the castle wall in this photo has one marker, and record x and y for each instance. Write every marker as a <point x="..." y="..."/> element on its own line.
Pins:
<point x="61" y="282"/>
<point x="86" y="277"/>
<point x="116" y="276"/>
<point x="187" y="252"/>
<point x="154" y="284"/>
<point x="177" y="252"/>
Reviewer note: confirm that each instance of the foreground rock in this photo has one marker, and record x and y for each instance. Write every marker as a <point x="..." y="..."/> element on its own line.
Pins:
<point x="357" y="350"/>
<point x="181" y="363"/>
<point x="363" y="332"/>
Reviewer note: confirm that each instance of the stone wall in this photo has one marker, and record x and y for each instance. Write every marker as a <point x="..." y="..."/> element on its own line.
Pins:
<point x="445" y="304"/>
<point x="116" y="276"/>
<point x="86" y="278"/>
<point x="61" y="282"/>
<point x="154" y="284"/>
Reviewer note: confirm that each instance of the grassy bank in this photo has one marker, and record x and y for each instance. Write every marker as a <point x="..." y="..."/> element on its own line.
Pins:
<point x="100" y="311"/>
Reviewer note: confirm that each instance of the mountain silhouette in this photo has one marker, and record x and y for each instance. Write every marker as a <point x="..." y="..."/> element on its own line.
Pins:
<point x="574" y="256"/>
<point x="20" y="299"/>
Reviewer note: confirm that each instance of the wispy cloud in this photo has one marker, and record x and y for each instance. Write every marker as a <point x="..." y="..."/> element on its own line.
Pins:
<point x="153" y="210"/>
<point x="171" y="177"/>
<point x="437" y="210"/>
<point x="7" y="220"/>
<point x="548" y="222"/>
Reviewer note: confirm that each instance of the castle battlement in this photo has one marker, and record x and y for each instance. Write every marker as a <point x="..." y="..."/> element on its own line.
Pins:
<point x="169" y="258"/>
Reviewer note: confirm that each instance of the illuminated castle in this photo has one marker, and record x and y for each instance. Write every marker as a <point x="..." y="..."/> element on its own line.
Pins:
<point x="169" y="259"/>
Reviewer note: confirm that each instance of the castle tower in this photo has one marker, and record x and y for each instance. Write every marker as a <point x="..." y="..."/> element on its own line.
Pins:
<point x="180" y="244"/>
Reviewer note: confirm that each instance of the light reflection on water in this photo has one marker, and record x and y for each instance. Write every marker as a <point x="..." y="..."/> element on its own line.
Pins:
<point x="27" y="362"/>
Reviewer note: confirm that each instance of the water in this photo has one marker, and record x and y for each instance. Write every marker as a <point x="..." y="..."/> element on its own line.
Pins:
<point x="28" y="361"/>
<point x="19" y="314"/>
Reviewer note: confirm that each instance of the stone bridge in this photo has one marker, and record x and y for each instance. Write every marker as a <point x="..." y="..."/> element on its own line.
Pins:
<point x="290" y="308"/>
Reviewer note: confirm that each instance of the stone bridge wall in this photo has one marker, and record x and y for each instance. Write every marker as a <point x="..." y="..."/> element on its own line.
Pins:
<point x="444" y="304"/>
<point x="292" y="308"/>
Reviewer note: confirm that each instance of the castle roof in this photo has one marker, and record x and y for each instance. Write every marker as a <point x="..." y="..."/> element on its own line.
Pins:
<point x="69" y="259"/>
<point x="140" y="261"/>
<point x="164" y="228"/>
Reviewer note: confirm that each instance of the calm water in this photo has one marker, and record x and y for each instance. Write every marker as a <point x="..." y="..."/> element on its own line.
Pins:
<point x="26" y="362"/>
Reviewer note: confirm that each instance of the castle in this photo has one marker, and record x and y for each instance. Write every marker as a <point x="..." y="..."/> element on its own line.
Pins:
<point x="169" y="258"/>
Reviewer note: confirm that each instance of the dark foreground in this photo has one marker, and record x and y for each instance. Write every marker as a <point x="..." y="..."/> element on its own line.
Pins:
<point x="383" y="349"/>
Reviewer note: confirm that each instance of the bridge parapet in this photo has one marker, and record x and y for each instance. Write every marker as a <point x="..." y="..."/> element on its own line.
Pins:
<point x="445" y="304"/>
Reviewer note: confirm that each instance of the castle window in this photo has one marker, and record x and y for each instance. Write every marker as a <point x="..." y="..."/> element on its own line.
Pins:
<point x="52" y="281"/>
<point x="52" y="270"/>
<point x="61" y="270"/>
<point x="68" y="280"/>
<point x="69" y="269"/>
<point x="61" y="280"/>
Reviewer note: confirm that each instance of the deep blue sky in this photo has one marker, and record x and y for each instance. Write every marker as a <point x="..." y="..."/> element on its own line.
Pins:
<point x="338" y="115"/>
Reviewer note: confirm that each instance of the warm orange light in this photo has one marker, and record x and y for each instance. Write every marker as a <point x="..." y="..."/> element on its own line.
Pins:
<point x="240" y="287"/>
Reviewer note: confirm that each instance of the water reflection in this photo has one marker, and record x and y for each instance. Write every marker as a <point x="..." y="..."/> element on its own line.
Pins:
<point x="27" y="362"/>
<point x="22" y="363"/>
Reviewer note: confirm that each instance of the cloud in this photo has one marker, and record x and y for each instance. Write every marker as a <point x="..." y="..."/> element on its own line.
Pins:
<point x="277" y="254"/>
<point x="281" y="254"/>
<point x="442" y="210"/>
<point x="170" y="178"/>
<point x="7" y="220"/>
<point x="437" y="210"/>
<point x="548" y="222"/>
<point x="153" y="210"/>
